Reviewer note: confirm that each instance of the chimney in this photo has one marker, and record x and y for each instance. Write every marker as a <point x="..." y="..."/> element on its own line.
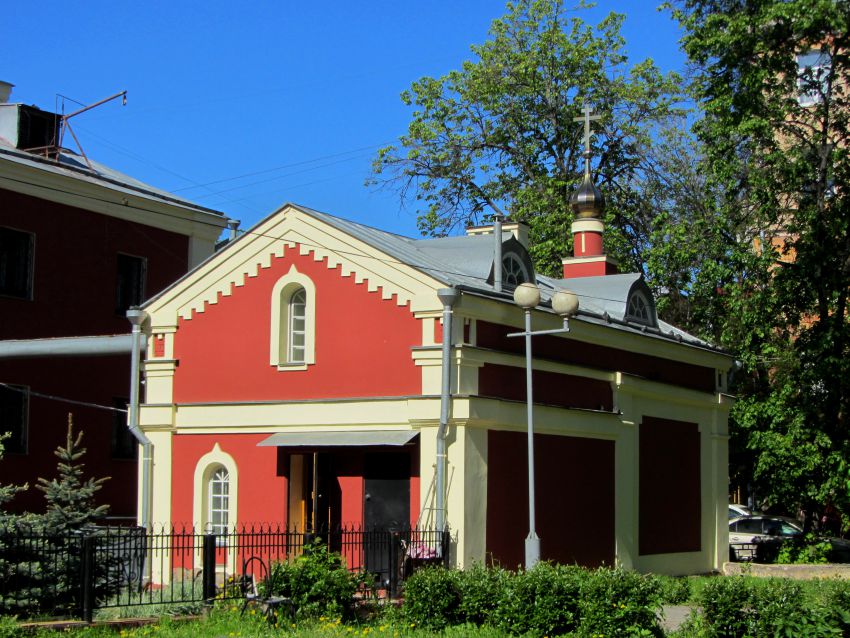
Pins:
<point x="29" y="128"/>
<point x="5" y="91"/>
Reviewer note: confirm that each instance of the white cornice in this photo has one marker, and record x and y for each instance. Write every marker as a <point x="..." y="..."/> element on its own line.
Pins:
<point x="115" y="202"/>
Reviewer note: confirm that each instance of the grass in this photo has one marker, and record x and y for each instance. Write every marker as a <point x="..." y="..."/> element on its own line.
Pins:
<point x="224" y="621"/>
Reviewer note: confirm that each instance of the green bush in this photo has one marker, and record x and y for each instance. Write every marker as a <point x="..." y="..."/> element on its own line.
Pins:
<point x="807" y="550"/>
<point x="480" y="589"/>
<point x="432" y="598"/>
<point x="739" y="606"/>
<point x="542" y="601"/>
<point x="615" y="602"/>
<point x="318" y="582"/>
<point x="726" y="607"/>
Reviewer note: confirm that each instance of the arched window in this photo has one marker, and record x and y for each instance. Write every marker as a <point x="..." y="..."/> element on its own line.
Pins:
<point x="640" y="309"/>
<point x="513" y="271"/>
<point x="218" y="501"/>
<point x="292" y="341"/>
<point x="296" y="339"/>
<point x="216" y="491"/>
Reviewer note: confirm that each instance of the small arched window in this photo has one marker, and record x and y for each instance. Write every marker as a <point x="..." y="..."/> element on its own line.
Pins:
<point x="640" y="309"/>
<point x="292" y="342"/>
<point x="297" y="326"/>
<point x="513" y="271"/>
<point x="218" y="501"/>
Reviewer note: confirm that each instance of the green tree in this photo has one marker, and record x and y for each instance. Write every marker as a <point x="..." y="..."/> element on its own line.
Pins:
<point x="499" y="136"/>
<point x="772" y="78"/>
<point x="70" y="498"/>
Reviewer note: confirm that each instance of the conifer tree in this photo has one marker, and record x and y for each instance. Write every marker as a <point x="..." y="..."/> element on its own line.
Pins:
<point x="70" y="498"/>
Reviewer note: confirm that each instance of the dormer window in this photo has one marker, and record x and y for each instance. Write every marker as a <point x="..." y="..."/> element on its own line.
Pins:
<point x="640" y="308"/>
<point x="514" y="272"/>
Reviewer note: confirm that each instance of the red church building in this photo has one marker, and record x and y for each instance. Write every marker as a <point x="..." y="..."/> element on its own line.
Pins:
<point x="297" y="378"/>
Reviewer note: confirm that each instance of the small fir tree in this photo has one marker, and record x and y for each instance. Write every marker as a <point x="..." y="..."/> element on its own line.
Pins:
<point x="70" y="499"/>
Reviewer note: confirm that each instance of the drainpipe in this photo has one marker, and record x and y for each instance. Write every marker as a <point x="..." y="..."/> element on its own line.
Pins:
<point x="448" y="296"/>
<point x="497" y="259"/>
<point x="137" y="317"/>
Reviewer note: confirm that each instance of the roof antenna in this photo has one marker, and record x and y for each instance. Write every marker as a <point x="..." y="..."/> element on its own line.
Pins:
<point x="66" y="124"/>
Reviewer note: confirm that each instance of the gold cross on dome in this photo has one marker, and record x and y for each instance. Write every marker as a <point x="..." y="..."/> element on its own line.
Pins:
<point x="587" y="118"/>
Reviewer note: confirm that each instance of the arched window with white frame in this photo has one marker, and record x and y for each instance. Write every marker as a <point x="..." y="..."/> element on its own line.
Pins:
<point x="215" y="493"/>
<point x="218" y="502"/>
<point x="292" y="340"/>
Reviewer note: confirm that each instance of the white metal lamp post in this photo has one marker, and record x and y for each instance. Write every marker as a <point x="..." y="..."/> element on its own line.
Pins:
<point x="565" y="303"/>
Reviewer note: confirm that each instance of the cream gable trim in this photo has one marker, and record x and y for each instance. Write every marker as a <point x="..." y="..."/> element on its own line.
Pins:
<point x="288" y="229"/>
<point x="280" y="323"/>
<point x="203" y="472"/>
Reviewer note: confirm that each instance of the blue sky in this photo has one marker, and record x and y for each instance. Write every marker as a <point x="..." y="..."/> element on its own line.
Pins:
<point x="297" y="94"/>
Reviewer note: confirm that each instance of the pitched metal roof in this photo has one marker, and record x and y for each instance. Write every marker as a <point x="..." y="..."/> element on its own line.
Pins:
<point x="465" y="262"/>
<point x="72" y="165"/>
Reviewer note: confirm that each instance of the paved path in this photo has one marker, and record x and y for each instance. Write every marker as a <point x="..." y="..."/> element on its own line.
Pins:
<point x="674" y="616"/>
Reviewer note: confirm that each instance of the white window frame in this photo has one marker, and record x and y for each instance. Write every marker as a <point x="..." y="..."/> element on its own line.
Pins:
<point x="512" y="266"/>
<point x="282" y="355"/>
<point x="818" y="63"/>
<point x="205" y="470"/>
<point x="218" y="502"/>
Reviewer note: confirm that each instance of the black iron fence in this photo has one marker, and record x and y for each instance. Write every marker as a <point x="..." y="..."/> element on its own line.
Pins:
<point x="76" y="573"/>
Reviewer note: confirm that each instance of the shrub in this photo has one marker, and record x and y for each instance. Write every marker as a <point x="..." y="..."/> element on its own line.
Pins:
<point x="541" y="601"/>
<point x="726" y="607"/>
<point x="807" y="550"/>
<point x="318" y="582"/>
<point x="432" y="598"/>
<point x="480" y="589"/>
<point x="615" y="602"/>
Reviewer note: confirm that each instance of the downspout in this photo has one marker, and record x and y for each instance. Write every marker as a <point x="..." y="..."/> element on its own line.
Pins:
<point x="497" y="258"/>
<point x="137" y="317"/>
<point x="448" y="296"/>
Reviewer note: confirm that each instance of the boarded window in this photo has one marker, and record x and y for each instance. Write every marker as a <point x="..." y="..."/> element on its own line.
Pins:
<point x="669" y="494"/>
<point x="130" y="287"/>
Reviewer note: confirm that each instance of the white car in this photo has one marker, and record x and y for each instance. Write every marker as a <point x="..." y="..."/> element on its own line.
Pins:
<point x="747" y="533"/>
<point x="736" y="510"/>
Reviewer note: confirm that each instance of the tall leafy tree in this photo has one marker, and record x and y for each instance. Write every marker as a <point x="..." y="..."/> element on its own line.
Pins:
<point x="773" y="80"/>
<point x="499" y="135"/>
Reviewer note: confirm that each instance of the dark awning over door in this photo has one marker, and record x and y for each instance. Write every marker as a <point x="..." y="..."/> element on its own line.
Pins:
<point x="339" y="439"/>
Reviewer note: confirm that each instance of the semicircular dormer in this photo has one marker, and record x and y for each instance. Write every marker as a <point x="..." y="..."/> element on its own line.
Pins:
<point x="516" y="265"/>
<point x="640" y="305"/>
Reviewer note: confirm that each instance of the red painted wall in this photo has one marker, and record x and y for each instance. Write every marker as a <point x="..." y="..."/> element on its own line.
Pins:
<point x="575" y="498"/>
<point x="262" y="490"/>
<point x="224" y="351"/>
<point x="684" y="375"/>
<point x="669" y="487"/>
<point x="599" y="268"/>
<point x="74" y="281"/>
<point x="550" y="388"/>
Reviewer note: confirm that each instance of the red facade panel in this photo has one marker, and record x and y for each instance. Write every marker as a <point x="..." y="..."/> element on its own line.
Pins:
<point x="74" y="293"/>
<point x="224" y="351"/>
<point x="574" y="498"/>
<point x="550" y="388"/>
<point x="669" y="487"/>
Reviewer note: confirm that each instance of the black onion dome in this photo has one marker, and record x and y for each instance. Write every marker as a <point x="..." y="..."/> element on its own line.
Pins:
<point x="587" y="201"/>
